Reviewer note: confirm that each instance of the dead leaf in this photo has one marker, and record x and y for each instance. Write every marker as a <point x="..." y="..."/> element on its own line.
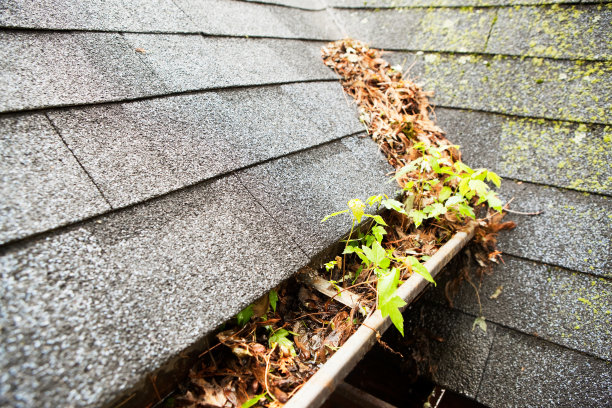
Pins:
<point x="497" y="292"/>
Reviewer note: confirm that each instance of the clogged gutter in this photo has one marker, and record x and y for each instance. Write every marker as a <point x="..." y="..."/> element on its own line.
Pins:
<point x="278" y="343"/>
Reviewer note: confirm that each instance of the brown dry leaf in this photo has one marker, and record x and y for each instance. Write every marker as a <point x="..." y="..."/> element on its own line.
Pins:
<point x="213" y="395"/>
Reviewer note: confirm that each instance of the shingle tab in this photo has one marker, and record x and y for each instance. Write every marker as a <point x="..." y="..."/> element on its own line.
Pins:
<point x="88" y="312"/>
<point x="454" y="352"/>
<point x="556" y="153"/>
<point x="105" y="15"/>
<point x="554" y="89"/>
<point x="303" y="4"/>
<point x="300" y="190"/>
<point x="245" y="18"/>
<point x="192" y="62"/>
<point x="524" y="371"/>
<point x="50" y="69"/>
<point x="138" y="150"/>
<point x="42" y="186"/>
<point x="436" y="3"/>
<point x="573" y="232"/>
<point x="568" y="308"/>
<point x="431" y="29"/>
<point x="552" y="32"/>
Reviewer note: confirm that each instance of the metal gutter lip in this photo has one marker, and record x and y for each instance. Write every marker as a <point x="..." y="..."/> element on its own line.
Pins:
<point x="321" y="385"/>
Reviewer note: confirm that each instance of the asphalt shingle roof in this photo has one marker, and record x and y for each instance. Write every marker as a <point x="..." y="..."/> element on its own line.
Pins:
<point x="165" y="164"/>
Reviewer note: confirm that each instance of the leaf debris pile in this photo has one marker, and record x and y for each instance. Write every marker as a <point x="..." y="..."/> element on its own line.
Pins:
<point x="271" y="349"/>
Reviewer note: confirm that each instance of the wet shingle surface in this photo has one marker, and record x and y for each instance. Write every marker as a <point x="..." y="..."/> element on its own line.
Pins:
<point x="525" y="371"/>
<point x="138" y="150"/>
<point x="550" y="31"/>
<point x="105" y="15"/>
<point x="567" y="308"/>
<point x="449" y="343"/>
<point x="375" y="4"/>
<point x="573" y="231"/>
<point x="420" y="29"/>
<point x="299" y="191"/>
<point x="42" y="185"/>
<point x="42" y="69"/>
<point x="193" y="62"/>
<point x="243" y="18"/>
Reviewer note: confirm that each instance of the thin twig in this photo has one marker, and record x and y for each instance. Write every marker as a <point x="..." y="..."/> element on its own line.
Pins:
<point x="523" y="213"/>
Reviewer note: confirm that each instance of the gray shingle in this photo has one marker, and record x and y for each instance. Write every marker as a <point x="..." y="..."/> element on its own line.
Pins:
<point x="436" y="3"/>
<point x="137" y="150"/>
<point x="554" y="89"/>
<point x="524" y="371"/>
<point x="88" y="312"/>
<point x="557" y="32"/>
<point x="245" y="18"/>
<point x="50" y="69"/>
<point x="456" y="354"/>
<point x="431" y="29"/>
<point x="192" y="62"/>
<point x="300" y="190"/>
<point x="303" y="4"/>
<point x="476" y="133"/>
<point x="42" y="186"/>
<point x="568" y="308"/>
<point x="106" y="15"/>
<point x="555" y="153"/>
<point x="573" y="232"/>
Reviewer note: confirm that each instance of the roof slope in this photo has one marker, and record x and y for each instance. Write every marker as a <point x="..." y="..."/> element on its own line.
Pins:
<point x="164" y="164"/>
<point x="526" y="90"/>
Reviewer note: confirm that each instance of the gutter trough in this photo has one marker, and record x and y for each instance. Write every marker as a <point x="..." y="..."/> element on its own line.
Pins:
<point x="323" y="383"/>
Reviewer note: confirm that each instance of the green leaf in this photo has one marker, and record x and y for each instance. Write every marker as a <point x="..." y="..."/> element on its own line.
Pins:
<point x="494" y="178"/>
<point x="327" y="217"/>
<point x="445" y="193"/>
<point x="409" y="168"/>
<point x="349" y="249"/>
<point x="244" y="316"/>
<point x="480" y="174"/>
<point x="273" y="297"/>
<point x="456" y="199"/>
<point x="386" y="286"/>
<point x="464" y="187"/>
<point x="494" y="201"/>
<point x="376" y="218"/>
<point x="391" y="309"/>
<point x="434" y="164"/>
<point x="466" y="211"/>
<point x="253" y="401"/>
<point x="280" y="337"/>
<point x="378" y="232"/>
<point x="417" y="216"/>
<point x="435" y="210"/>
<point x="479" y="186"/>
<point x="392" y="204"/>
<point x="375" y="254"/>
<point x="420" y="269"/>
<point x="480" y="322"/>
<point x="357" y="208"/>
<point x="374" y="199"/>
<point x="463" y="168"/>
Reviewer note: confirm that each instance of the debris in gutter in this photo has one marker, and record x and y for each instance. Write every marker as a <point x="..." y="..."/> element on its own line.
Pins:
<point x="275" y="345"/>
